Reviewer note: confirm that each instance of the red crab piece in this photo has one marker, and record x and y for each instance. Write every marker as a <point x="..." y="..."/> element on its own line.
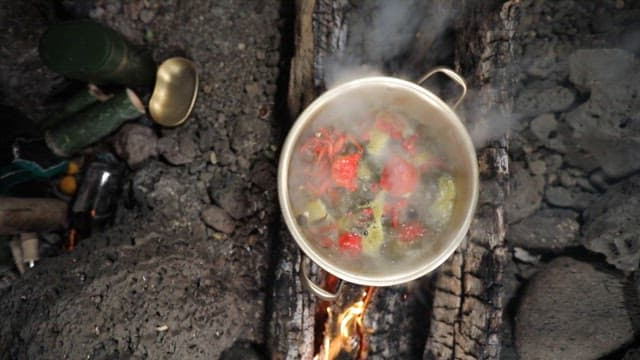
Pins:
<point x="350" y="242"/>
<point x="391" y="124"/>
<point x="410" y="143"/>
<point x="393" y="209"/>
<point x="399" y="177"/>
<point x="409" y="233"/>
<point x="344" y="171"/>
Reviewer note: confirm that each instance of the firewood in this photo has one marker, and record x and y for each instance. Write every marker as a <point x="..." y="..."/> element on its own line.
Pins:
<point x="20" y="215"/>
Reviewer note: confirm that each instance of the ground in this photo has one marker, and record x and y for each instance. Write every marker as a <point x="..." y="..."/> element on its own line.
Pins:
<point x="160" y="283"/>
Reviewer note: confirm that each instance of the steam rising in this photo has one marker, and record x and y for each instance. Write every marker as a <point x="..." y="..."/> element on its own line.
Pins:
<point x="383" y="31"/>
<point x="388" y="35"/>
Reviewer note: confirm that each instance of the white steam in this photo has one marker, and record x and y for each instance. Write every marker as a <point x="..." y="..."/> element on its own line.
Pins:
<point x="383" y="30"/>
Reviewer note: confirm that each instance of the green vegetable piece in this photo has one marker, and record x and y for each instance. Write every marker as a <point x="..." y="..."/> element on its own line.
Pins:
<point x="364" y="173"/>
<point x="373" y="240"/>
<point x="443" y="206"/>
<point x="315" y="210"/>
<point x="377" y="142"/>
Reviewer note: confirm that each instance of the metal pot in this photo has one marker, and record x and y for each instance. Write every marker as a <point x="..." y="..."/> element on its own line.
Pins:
<point x="379" y="93"/>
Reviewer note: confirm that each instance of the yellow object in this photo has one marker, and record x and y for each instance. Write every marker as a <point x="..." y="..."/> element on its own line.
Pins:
<point x="175" y="92"/>
<point x="315" y="210"/>
<point x="377" y="141"/>
<point x="375" y="237"/>
<point x="72" y="168"/>
<point x="443" y="206"/>
<point x="68" y="185"/>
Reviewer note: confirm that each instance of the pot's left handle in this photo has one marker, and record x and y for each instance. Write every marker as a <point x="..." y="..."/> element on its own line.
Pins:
<point x="314" y="288"/>
<point x="453" y="76"/>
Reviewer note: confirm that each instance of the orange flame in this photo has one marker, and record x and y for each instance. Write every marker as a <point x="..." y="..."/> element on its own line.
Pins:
<point x="348" y="333"/>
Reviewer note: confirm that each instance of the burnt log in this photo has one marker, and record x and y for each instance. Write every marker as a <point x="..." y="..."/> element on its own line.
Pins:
<point x="18" y="215"/>
<point x="457" y="311"/>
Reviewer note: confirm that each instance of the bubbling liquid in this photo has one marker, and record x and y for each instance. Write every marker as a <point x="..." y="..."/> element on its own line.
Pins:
<point x="374" y="185"/>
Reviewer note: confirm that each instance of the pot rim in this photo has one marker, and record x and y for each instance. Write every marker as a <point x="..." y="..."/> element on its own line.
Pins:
<point x="283" y="176"/>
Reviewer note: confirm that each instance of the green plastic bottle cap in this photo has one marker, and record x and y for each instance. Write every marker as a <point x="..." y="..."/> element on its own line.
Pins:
<point x="77" y="48"/>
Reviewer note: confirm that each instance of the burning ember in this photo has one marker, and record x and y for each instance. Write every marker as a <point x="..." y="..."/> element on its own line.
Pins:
<point x="347" y="334"/>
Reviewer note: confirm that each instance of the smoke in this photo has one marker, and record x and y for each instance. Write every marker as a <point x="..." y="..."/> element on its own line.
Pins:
<point x="410" y="38"/>
<point x="382" y="31"/>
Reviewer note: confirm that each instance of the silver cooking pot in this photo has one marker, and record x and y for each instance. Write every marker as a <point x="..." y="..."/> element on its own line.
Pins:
<point x="379" y="93"/>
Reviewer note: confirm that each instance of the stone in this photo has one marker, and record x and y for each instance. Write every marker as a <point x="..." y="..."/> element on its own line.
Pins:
<point x="566" y="179"/>
<point x="542" y="97"/>
<point x="147" y="15"/>
<point x="553" y="162"/>
<point x="525" y="194"/>
<point x="546" y="230"/>
<point x="632" y="354"/>
<point x="588" y="66"/>
<point x="538" y="167"/>
<point x="135" y="143"/>
<point x="229" y="192"/>
<point x="543" y="126"/>
<point x="562" y="197"/>
<point x="606" y="127"/>
<point x="598" y="179"/>
<point x="572" y="310"/>
<point x="618" y="157"/>
<point x="247" y="133"/>
<point x="180" y="151"/>
<point x="253" y="90"/>
<point x="611" y="225"/>
<point x="218" y="219"/>
<point x="264" y="175"/>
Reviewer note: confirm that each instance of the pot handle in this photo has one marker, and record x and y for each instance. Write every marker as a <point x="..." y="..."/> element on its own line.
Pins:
<point x="314" y="288"/>
<point x="453" y="76"/>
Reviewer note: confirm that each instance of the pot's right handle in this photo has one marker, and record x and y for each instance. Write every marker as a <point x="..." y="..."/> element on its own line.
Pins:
<point x="314" y="288"/>
<point x="453" y="76"/>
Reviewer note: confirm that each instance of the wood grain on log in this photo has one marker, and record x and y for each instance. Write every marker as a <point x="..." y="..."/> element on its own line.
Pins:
<point x="19" y="215"/>
<point x="461" y="310"/>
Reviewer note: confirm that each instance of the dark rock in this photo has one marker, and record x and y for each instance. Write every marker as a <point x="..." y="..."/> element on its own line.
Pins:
<point x="539" y="98"/>
<point x="571" y="310"/>
<point x="543" y="126"/>
<point x="618" y="157"/>
<point x="177" y="151"/>
<point x="554" y="162"/>
<point x="166" y="196"/>
<point x="218" y="219"/>
<point x="598" y="179"/>
<point x="566" y="179"/>
<point x="147" y="15"/>
<point x="550" y="229"/>
<point x="632" y="354"/>
<point x="246" y="135"/>
<point x="589" y="66"/>
<point x="242" y="350"/>
<point x="264" y="175"/>
<point x="545" y="60"/>
<point x="538" y="167"/>
<point x="606" y="127"/>
<point x="229" y="192"/>
<point x="563" y="197"/>
<point x="135" y="143"/>
<point x="611" y="225"/>
<point x="525" y="195"/>
<point x="223" y="152"/>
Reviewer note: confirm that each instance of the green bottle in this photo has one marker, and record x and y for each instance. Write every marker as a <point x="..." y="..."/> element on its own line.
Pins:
<point x="89" y="51"/>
